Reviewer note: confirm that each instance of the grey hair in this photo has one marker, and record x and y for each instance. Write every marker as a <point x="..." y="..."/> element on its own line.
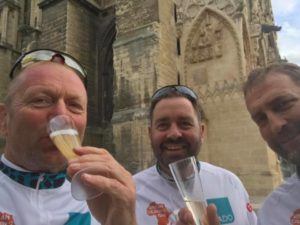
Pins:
<point x="258" y="75"/>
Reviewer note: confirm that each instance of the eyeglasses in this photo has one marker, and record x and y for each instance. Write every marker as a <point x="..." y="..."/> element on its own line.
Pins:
<point x="38" y="55"/>
<point x="189" y="93"/>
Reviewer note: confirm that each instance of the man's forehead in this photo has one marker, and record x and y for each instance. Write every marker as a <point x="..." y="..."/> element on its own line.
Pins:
<point x="43" y="73"/>
<point x="43" y="65"/>
<point x="271" y="82"/>
<point x="269" y="90"/>
<point x="173" y="102"/>
<point x="168" y="106"/>
<point x="49" y="71"/>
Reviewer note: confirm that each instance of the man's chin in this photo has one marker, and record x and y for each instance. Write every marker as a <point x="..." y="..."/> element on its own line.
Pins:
<point x="54" y="168"/>
<point x="54" y="164"/>
<point x="176" y="157"/>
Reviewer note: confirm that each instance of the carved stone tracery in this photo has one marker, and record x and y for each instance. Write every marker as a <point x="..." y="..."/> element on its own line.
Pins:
<point x="188" y="9"/>
<point x="206" y="44"/>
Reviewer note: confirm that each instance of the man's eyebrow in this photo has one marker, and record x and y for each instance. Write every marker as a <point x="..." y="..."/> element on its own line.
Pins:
<point x="278" y="99"/>
<point x="38" y="90"/>
<point x="282" y="98"/>
<point x="162" y="119"/>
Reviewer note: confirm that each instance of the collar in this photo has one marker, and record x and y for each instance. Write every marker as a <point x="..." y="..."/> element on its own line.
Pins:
<point x="33" y="179"/>
<point x="167" y="176"/>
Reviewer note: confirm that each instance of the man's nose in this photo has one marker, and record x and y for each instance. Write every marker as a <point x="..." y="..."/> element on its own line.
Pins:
<point x="276" y="122"/>
<point x="59" y="108"/>
<point x="174" y="132"/>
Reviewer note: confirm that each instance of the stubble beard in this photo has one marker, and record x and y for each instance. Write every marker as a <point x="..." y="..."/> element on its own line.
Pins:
<point x="294" y="157"/>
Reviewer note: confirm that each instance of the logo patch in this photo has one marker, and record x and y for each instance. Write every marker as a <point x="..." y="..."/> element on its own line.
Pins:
<point x="249" y="207"/>
<point x="6" y="219"/>
<point x="224" y="209"/>
<point x="160" y="211"/>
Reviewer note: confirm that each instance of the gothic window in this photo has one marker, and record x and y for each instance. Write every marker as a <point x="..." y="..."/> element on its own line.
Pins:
<point x="27" y="10"/>
<point x="175" y="13"/>
<point x="106" y="73"/>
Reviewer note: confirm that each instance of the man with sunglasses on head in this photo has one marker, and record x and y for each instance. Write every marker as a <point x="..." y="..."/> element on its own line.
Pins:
<point x="33" y="185"/>
<point x="176" y="132"/>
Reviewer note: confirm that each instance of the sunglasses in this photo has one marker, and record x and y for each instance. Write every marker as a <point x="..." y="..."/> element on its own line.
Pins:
<point x="38" y="55"/>
<point x="187" y="92"/>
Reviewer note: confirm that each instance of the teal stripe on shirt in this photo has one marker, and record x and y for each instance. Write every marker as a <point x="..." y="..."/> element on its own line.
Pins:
<point x="79" y="219"/>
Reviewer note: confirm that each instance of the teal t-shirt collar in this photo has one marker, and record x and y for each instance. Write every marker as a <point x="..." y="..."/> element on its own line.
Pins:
<point x="32" y="179"/>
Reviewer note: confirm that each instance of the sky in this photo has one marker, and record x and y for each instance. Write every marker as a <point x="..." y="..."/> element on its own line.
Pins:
<point x="287" y="15"/>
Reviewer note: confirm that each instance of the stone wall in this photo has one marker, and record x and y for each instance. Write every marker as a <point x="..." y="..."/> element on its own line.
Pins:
<point x="9" y="18"/>
<point x="134" y="14"/>
<point x="81" y="36"/>
<point x="54" y="25"/>
<point x="134" y="83"/>
<point x="5" y="54"/>
<point x="167" y="60"/>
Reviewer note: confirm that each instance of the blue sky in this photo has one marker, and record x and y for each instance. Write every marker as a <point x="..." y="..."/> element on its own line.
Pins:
<point x="287" y="15"/>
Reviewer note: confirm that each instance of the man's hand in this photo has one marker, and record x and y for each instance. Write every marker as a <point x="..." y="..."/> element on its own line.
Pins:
<point x="117" y="203"/>
<point x="186" y="218"/>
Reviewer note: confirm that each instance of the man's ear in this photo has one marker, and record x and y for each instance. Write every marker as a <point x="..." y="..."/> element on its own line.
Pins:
<point x="3" y="120"/>
<point x="202" y="130"/>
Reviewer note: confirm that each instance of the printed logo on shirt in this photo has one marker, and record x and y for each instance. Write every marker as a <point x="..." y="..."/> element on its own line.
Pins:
<point x="6" y="219"/>
<point x="160" y="211"/>
<point x="295" y="218"/>
<point x="249" y="207"/>
<point x="224" y="209"/>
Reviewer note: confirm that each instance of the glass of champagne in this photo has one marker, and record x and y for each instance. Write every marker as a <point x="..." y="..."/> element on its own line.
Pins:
<point x="64" y="135"/>
<point x="186" y="175"/>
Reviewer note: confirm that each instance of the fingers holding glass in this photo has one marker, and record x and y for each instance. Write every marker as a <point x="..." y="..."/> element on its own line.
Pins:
<point x="65" y="136"/>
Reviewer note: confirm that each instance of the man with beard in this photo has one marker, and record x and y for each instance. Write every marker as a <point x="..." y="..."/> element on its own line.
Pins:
<point x="176" y="132"/>
<point x="272" y="96"/>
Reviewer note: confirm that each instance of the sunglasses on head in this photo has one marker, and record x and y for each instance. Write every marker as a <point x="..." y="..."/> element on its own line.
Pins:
<point x="185" y="91"/>
<point x="38" y="55"/>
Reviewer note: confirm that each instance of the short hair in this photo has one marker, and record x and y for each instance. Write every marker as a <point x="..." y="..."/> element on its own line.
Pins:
<point x="258" y="75"/>
<point x="173" y="94"/>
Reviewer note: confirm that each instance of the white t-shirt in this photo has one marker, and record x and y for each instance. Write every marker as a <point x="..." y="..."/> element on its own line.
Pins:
<point x="282" y="205"/>
<point x="24" y="205"/>
<point x="158" y="198"/>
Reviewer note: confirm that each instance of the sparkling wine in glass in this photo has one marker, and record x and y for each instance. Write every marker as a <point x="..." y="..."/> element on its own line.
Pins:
<point x="186" y="175"/>
<point x="65" y="136"/>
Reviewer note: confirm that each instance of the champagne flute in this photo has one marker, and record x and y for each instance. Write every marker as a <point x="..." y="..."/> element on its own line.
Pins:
<point x="186" y="175"/>
<point x="65" y="137"/>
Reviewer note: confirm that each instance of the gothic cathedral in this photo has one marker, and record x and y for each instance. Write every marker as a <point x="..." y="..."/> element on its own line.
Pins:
<point x="132" y="47"/>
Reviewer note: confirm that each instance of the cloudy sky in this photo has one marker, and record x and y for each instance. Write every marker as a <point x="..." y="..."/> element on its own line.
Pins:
<point x="287" y="15"/>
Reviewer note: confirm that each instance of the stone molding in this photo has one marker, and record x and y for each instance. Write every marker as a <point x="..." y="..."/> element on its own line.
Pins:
<point x="221" y="89"/>
<point x="223" y="21"/>
<point x="187" y="9"/>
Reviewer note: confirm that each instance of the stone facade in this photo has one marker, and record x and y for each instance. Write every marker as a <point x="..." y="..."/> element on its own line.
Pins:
<point x="130" y="48"/>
